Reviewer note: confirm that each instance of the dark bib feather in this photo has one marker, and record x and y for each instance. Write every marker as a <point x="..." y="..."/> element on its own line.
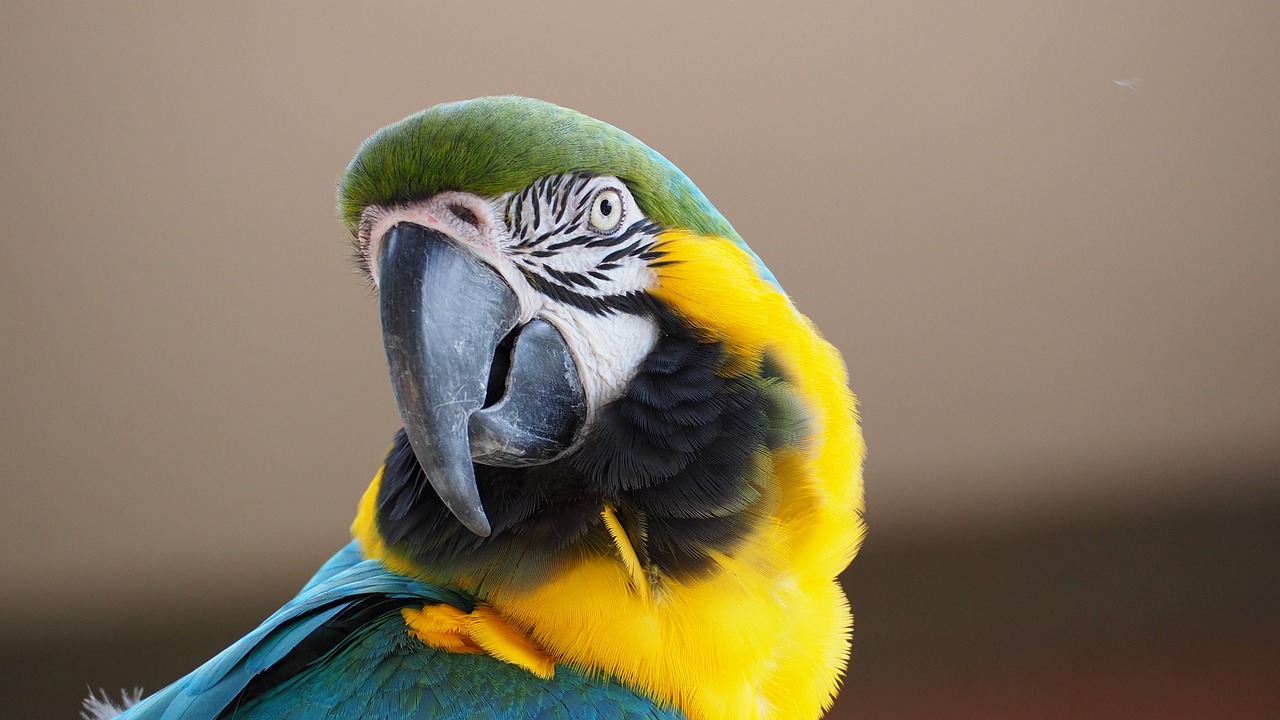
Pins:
<point x="682" y="455"/>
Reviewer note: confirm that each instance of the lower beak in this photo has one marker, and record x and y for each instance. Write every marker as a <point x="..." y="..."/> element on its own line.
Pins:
<point x="444" y="315"/>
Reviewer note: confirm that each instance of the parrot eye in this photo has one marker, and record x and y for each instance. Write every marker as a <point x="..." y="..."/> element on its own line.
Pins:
<point x="606" y="211"/>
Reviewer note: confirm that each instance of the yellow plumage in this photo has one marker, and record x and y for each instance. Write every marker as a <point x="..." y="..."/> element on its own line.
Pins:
<point x="766" y="633"/>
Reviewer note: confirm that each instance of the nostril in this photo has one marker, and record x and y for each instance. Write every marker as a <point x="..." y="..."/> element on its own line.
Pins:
<point x="463" y="213"/>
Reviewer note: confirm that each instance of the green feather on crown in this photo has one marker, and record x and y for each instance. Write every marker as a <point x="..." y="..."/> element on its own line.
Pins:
<point x="494" y="145"/>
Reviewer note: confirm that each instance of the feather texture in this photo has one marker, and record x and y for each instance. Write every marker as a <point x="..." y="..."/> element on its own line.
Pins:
<point x="679" y="560"/>
<point x="344" y="652"/>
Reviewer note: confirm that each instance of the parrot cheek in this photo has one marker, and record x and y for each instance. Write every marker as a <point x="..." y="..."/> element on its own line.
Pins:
<point x="608" y="349"/>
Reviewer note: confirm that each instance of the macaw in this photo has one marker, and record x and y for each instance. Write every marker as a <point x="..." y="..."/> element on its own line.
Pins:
<point x="630" y="470"/>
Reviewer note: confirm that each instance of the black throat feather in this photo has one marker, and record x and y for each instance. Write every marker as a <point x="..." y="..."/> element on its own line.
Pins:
<point x="682" y="455"/>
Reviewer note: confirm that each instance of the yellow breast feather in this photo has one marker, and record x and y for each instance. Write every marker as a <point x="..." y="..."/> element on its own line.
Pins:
<point x="765" y="633"/>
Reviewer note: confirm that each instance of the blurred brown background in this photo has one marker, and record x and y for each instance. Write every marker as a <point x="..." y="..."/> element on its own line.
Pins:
<point x="1045" y="235"/>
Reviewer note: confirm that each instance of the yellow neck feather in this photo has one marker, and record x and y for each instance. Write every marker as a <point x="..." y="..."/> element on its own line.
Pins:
<point x="766" y="633"/>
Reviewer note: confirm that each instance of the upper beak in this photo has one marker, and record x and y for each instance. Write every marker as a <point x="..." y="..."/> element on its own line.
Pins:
<point x="445" y="314"/>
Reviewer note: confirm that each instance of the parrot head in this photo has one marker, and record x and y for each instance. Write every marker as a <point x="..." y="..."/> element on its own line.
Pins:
<point x="514" y="259"/>
<point x="604" y="391"/>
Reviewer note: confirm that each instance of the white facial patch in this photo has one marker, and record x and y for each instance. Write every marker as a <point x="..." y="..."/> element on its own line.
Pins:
<point x="547" y="243"/>
<point x="607" y="348"/>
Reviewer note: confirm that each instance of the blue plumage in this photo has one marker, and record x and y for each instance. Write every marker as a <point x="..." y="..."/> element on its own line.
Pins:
<point x="340" y="650"/>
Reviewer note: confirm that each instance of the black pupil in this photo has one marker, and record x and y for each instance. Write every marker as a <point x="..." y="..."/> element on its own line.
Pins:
<point x="606" y="207"/>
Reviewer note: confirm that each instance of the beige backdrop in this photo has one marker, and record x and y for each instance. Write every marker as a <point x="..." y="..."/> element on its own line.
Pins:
<point x="1046" y="237"/>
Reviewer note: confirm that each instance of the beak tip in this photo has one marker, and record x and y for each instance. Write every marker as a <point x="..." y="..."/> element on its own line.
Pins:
<point x="476" y="522"/>
<point x="455" y="483"/>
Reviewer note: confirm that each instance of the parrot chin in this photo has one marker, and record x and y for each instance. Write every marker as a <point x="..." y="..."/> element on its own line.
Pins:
<point x="448" y="322"/>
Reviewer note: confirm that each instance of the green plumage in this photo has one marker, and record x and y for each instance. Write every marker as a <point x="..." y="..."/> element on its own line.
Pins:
<point x="495" y="145"/>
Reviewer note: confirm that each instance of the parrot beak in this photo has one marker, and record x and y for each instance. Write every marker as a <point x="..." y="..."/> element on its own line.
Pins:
<point x="447" y="323"/>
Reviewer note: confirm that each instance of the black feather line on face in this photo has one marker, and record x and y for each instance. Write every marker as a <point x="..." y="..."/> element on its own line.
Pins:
<point x="639" y="226"/>
<point x="566" y="277"/>
<point x="682" y="455"/>
<point x="534" y="246"/>
<point x="627" y="251"/>
<point x="549" y="234"/>
<point x="632" y="303"/>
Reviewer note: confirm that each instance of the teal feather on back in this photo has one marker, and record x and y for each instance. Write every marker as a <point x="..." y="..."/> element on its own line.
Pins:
<point x="309" y="660"/>
<point x="394" y="676"/>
